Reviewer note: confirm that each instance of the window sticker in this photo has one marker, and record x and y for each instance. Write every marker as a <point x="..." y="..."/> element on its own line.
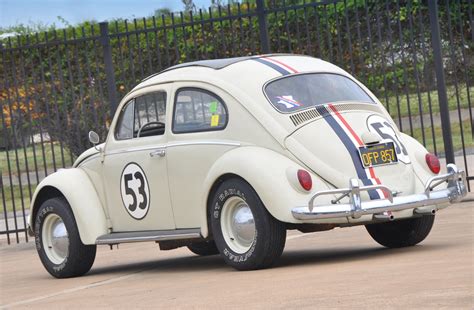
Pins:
<point x="213" y="107"/>
<point x="215" y="120"/>
<point x="288" y="101"/>
<point x="300" y="91"/>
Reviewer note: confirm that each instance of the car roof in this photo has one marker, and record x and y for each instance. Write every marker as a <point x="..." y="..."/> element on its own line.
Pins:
<point x="244" y="79"/>
<point x="216" y="64"/>
<point x="241" y="73"/>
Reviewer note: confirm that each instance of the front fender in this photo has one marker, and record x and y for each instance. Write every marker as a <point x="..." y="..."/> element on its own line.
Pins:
<point x="77" y="188"/>
<point x="267" y="172"/>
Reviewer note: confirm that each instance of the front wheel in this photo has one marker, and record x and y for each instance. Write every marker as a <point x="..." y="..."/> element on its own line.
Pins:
<point x="247" y="236"/>
<point x="401" y="233"/>
<point x="58" y="243"/>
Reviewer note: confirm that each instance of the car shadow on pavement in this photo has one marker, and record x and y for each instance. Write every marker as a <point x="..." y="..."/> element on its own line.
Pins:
<point x="289" y="259"/>
<point x="338" y="255"/>
<point x="189" y="263"/>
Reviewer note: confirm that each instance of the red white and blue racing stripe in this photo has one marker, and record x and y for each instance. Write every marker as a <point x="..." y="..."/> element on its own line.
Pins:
<point x="277" y="65"/>
<point x="352" y="142"/>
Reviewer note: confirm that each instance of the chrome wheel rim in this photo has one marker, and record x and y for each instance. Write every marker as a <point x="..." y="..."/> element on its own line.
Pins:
<point x="55" y="239"/>
<point x="238" y="225"/>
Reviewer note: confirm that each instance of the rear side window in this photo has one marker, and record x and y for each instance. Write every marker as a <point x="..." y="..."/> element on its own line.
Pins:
<point x="149" y="110"/>
<point x="198" y="110"/>
<point x="297" y="92"/>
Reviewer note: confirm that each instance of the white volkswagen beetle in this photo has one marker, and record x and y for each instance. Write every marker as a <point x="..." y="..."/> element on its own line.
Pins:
<point x="224" y="156"/>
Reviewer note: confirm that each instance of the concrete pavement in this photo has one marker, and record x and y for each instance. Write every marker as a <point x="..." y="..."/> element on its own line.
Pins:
<point x="342" y="268"/>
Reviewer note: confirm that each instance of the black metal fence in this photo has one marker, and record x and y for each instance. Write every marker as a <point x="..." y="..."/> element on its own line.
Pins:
<point x="56" y="86"/>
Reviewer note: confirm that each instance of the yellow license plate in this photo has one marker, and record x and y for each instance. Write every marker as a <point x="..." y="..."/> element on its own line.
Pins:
<point x="378" y="154"/>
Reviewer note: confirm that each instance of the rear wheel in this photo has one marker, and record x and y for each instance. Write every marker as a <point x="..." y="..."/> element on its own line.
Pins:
<point x="247" y="236"/>
<point x="401" y="233"/>
<point x="58" y="243"/>
<point x="204" y="248"/>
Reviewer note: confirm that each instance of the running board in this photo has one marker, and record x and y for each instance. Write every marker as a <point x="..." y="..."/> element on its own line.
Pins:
<point x="150" y="235"/>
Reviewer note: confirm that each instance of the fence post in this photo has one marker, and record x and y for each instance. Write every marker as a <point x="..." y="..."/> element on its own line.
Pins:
<point x="109" y="67"/>
<point x="263" y="28"/>
<point x="440" y="81"/>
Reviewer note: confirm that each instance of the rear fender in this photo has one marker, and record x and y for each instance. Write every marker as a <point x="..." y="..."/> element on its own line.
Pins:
<point x="268" y="173"/>
<point x="417" y="153"/>
<point x="76" y="187"/>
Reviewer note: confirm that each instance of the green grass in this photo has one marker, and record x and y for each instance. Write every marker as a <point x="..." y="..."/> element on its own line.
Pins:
<point x="456" y="134"/>
<point x="17" y="194"/>
<point x="414" y="102"/>
<point x="28" y="156"/>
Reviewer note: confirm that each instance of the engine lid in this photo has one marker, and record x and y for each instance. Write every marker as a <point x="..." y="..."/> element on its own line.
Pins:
<point x="330" y="146"/>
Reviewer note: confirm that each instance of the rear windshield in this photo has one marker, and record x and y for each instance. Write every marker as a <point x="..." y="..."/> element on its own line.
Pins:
<point x="298" y="92"/>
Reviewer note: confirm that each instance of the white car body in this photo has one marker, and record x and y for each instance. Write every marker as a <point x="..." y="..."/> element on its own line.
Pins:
<point x="258" y="144"/>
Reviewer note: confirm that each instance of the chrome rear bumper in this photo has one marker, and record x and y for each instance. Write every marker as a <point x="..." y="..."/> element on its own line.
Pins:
<point x="455" y="190"/>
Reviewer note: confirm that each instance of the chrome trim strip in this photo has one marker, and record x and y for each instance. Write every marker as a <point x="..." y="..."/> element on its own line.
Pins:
<point x="227" y="143"/>
<point x="174" y="144"/>
<point x="152" y="235"/>
<point x="356" y="208"/>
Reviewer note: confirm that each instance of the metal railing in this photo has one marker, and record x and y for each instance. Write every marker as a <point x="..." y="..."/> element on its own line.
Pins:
<point x="56" y="86"/>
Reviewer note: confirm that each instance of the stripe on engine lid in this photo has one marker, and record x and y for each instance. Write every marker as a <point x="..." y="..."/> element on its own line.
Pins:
<point x="351" y="141"/>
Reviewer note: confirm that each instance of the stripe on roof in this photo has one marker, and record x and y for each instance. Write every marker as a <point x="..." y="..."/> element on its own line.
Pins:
<point x="273" y="65"/>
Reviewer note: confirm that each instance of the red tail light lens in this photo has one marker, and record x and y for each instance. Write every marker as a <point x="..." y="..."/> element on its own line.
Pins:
<point x="305" y="179"/>
<point x="433" y="163"/>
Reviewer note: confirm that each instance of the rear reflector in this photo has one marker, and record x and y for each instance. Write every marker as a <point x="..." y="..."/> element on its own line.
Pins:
<point x="433" y="163"/>
<point x="305" y="179"/>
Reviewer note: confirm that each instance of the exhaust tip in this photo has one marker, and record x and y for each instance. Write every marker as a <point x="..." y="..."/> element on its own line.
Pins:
<point x="425" y="211"/>
<point x="384" y="217"/>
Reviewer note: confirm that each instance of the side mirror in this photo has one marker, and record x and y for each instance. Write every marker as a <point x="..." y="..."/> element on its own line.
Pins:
<point x="94" y="137"/>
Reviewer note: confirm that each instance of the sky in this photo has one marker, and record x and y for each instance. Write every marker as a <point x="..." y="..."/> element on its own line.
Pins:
<point x="13" y="12"/>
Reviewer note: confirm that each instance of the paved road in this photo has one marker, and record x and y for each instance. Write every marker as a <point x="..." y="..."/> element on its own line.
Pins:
<point x="343" y="268"/>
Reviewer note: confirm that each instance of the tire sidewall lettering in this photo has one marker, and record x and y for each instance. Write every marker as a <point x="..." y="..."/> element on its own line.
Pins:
<point x="216" y="213"/>
<point x="43" y="212"/>
<point x="39" y="225"/>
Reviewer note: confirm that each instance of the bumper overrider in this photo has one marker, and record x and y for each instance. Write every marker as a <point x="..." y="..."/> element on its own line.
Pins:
<point x="381" y="209"/>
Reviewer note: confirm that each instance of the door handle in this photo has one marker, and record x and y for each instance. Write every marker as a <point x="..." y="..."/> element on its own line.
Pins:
<point x="158" y="153"/>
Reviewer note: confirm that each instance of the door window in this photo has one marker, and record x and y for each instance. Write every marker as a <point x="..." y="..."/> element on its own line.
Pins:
<point x="143" y="116"/>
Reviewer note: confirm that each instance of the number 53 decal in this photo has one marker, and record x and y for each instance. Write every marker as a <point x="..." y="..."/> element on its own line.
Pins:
<point x="382" y="127"/>
<point x="135" y="191"/>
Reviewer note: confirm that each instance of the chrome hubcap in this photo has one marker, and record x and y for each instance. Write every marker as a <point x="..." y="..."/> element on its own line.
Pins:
<point x="55" y="239"/>
<point x="238" y="225"/>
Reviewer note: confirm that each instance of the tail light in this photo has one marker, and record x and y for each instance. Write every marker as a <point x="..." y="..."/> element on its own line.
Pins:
<point x="433" y="163"/>
<point x="305" y="179"/>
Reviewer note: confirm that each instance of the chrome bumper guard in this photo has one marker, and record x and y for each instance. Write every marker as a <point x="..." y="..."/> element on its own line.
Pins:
<point x="381" y="208"/>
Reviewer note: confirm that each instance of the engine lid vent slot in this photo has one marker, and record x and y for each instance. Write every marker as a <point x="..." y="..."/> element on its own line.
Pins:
<point x="303" y="117"/>
<point x="310" y="114"/>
